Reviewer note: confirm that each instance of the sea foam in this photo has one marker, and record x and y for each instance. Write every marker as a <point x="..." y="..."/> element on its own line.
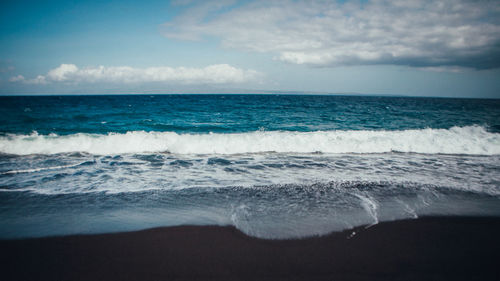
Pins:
<point x="470" y="140"/>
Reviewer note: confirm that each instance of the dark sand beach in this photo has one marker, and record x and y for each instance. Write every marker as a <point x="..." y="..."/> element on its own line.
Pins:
<point x="432" y="248"/>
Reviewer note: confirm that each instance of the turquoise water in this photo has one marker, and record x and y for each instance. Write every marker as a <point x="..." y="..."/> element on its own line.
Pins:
<point x="274" y="166"/>
<point x="239" y="113"/>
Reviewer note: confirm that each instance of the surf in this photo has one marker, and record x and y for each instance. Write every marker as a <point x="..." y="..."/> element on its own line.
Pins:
<point x="467" y="140"/>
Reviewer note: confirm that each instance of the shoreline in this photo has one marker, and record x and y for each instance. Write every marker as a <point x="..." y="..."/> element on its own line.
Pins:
<point x="428" y="248"/>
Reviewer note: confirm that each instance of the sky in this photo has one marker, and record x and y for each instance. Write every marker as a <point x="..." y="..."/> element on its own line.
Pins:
<point x="411" y="47"/>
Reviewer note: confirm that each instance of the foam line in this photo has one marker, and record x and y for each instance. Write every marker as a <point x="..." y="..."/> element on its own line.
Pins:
<point x="39" y="169"/>
<point x="471" y="140"/>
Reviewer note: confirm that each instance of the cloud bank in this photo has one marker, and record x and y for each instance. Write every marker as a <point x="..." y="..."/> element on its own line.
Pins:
<point x="417" y="33"/>
<point x="213" y="74"/>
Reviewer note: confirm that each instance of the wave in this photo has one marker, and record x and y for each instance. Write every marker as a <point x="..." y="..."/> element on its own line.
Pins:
<point x="40" y="169"/>
<point x="471" y="140"/>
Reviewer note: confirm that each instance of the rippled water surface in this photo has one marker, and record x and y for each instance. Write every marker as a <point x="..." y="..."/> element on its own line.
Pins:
<point x="273" y="166"/>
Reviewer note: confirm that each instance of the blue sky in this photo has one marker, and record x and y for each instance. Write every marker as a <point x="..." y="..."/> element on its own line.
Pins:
<point x="418" y="48"/>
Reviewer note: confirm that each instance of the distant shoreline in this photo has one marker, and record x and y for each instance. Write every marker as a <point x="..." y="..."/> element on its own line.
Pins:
<point x="257" y="93"/>
<point x="437" y="248"/>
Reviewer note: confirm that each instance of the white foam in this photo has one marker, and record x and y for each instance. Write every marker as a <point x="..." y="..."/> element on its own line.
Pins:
<point x="370" y="206"/>
<point x="471" y="140"/>
<point x="39" y="169"/>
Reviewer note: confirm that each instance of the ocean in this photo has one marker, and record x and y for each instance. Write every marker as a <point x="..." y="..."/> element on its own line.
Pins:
<point x="273" y="166"/>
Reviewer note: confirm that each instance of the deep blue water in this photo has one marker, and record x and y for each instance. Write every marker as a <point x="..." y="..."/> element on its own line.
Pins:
<point x="239" y="113"/>
<point x="272" y="165"/>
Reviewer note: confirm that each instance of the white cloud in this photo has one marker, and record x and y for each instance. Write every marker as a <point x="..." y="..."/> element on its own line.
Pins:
<point x="213" y="74"/>
<point x="325" y="33"/>
<point x="16" y="78"/>
<point x="40" y="79"/>
<point x="453" y="69"/>
<point x="63" y="73"/>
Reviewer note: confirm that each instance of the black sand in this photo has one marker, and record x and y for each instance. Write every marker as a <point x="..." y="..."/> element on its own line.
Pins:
<point x="436" y="248"/>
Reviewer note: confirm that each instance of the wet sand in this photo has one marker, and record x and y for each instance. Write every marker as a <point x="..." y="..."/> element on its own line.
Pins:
<point x="433" y="248"/>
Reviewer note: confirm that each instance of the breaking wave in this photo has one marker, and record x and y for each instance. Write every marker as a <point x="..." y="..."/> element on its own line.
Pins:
<point x="471" y="140"/>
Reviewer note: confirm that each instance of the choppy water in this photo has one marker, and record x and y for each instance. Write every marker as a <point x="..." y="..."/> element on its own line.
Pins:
<point x="273" y="166"/>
